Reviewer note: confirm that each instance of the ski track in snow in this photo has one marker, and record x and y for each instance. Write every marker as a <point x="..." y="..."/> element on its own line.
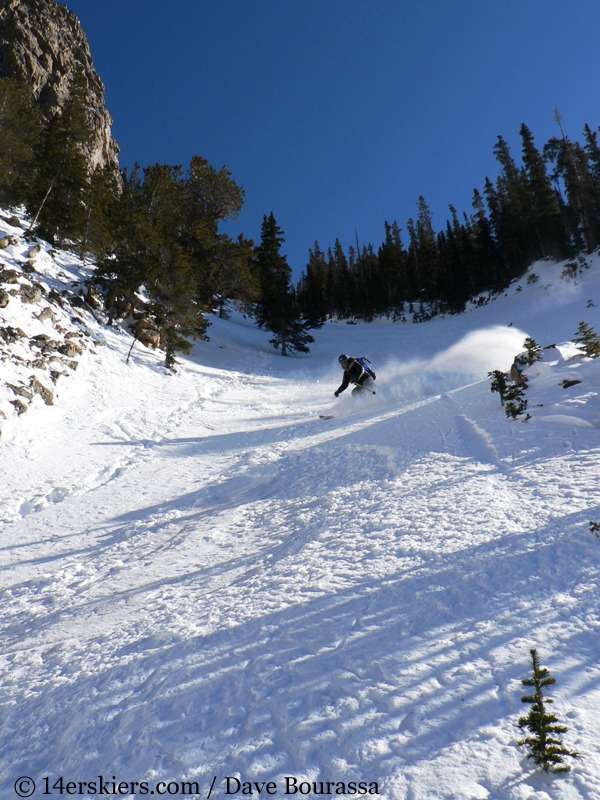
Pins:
<point x="210" y="580"/>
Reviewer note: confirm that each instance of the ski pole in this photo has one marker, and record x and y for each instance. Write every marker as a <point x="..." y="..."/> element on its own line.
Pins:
<point x="366" y="388"/>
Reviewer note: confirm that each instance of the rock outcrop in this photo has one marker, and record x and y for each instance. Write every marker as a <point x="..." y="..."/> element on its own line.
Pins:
<point x="45" y="324"/>
<point x="43" y="43"/>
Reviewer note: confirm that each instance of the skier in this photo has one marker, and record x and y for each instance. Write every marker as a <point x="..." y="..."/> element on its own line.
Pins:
<point x="357" y="371"/>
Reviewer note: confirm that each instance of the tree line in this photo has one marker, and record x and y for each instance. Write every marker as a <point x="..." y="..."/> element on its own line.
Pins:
<point x="153" y="232"/>
<point x="546" y="206"/>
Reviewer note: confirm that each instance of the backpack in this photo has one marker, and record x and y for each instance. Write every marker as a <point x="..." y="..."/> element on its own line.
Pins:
<point x="366" y="365"/>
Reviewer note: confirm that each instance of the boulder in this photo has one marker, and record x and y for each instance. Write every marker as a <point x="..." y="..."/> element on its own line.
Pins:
<point x="147" y="332"/>
<point x="19" y="405"/>
<point x="22" y="391"/>
<point x="30" y="293"/>
<point x="9" y="276"/>
<point x="70" y="350"/>
<point x="45" y="393"/>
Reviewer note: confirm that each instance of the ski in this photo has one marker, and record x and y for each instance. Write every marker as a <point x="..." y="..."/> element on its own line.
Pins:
<point x="326" y="416"/>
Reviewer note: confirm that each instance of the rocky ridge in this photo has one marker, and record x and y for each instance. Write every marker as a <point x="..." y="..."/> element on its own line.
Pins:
<point x="43" y="43"/>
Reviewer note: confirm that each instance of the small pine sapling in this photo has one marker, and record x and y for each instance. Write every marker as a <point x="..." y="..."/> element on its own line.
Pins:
<point x="570" y="271"/>
<point x="499" y="383"/>
<point x="588" y="340"/>
<point x="533" y="351"/>
<point x="512" y="395"/>
<point x="516" y="402"/>
<point x="544" y="744"/>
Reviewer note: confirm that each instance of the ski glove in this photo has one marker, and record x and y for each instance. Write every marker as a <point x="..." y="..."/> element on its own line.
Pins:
<point x="337" y="394"/>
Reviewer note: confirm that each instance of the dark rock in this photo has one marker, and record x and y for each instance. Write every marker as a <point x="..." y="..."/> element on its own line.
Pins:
<point x="45" y="393"/>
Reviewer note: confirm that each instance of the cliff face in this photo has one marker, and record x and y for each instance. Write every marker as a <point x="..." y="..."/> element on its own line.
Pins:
<point x="43" y="43"/>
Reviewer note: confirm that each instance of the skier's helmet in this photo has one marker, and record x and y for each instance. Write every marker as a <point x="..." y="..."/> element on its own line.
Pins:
<point x="343" y="359"/>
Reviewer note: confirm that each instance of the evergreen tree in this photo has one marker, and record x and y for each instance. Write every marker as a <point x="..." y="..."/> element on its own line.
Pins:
<point x="416" y="284"/>
<point x="165" y="238"/>
<point x="223" y="267"/>
<point x="120" y="257"/>
<point x="515" y="400"/>
<point x="428" y="253"/>
<point x="340" y="293"/>
<point x="231" y="275"/>
<point x="313" y="295"/>
<point x="212" y="196"/>
<point x="544" y="214"/>
<point x="499" y="383"/>
<point x="486" y="268"/>
<point x="63" y="173"/>
<point x="456" y="246"/>
<point x="512" y="203"/>
<point x="100" y="199"/>
<point x="588" y="340"/>
<point x="170" y="276"/>
<point x="533" y="351"/>
<point x="277" y="310"/>
<point x="363" y="270"/>
<point x="393" y="268"/>
<point x="573" y="168"/>
<point x="544" y="742"/>
<point x="593" y="152"/>
<point x="21" y="132"/>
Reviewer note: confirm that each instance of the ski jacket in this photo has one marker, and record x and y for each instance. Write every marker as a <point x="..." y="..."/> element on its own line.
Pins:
<point x="353" y="373"/>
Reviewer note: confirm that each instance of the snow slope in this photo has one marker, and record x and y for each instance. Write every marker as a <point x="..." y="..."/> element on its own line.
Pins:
<point x="202" y="580"/>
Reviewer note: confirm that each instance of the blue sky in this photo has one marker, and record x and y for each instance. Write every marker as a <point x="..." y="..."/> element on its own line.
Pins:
<point x="337" y="114"/>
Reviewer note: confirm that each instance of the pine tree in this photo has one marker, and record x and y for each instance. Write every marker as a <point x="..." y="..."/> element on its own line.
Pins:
<point x="533" y="351"/>
<point x="487" y="262"/>
<point x="100" y="199"/>
<point x="588" y="340"/>
<point x="429" y="260"/>
<point x="512" y="209"/>
<point x="496" y="221"/>
<point x="63" y="173"/>
<point x="573" y="168"/>
<point x="163" y="236"/>
<point x="544" y="216"/>
<point x="230" y="277"/>
<point x="544" y="744"/>
<point x="223" y="266"/>
<point x="313" y="288"/>
<point x="211" y="196"/>
<point x="339" y="287"/>
<point x="363" y="269"/>
<point x="169" y="269"/>
<point x="593" y="152"/>
<point x="499" y="383"/>
<point x="456" y="248"/>
<point x="393" y="267"/>
<point x="515" y="400"/>
<point x="21" y="132"/>
<point x="277" y="310"/>
<point x="120" y="265"/>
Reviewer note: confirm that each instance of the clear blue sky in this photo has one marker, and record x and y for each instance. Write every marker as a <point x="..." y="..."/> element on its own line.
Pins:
<point x="337" y="114"/>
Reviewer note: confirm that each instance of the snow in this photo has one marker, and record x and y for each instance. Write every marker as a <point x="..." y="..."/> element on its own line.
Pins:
<point x="203" y="580"/>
